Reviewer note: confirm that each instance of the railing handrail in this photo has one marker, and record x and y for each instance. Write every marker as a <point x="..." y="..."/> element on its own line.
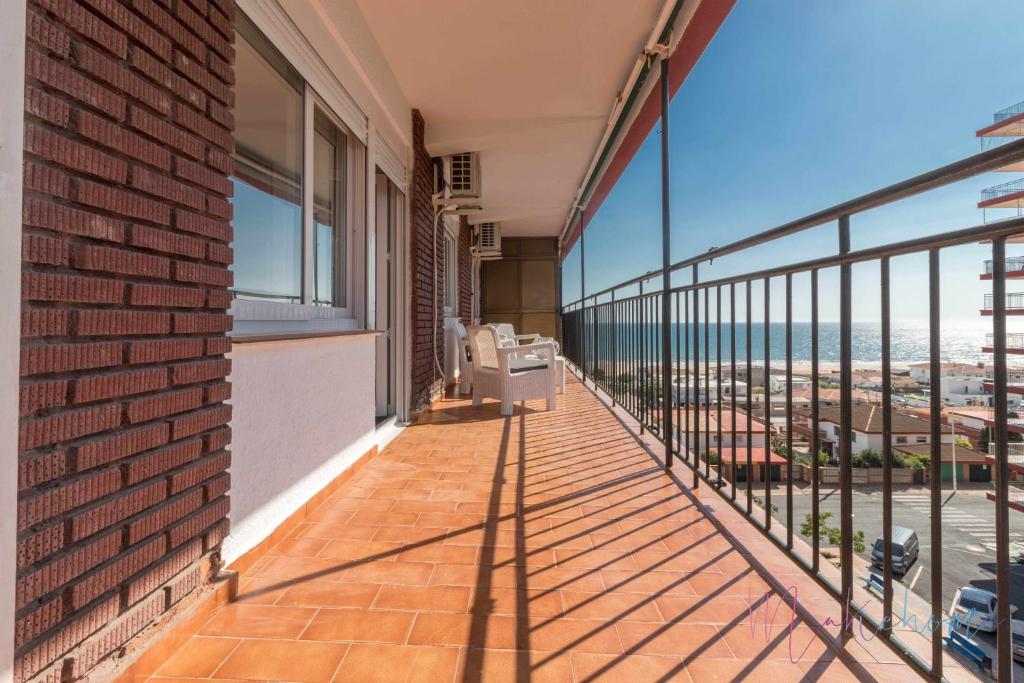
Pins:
<point x="967" y="167"/>
<point x="1008" y="112"/>
<point x="1016" y="261"/>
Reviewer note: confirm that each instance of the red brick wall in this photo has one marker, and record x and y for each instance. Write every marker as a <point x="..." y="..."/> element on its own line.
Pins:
<point x="426" y="381"/>
<point x="465" y="272"/>
<point x="122" y="460"/>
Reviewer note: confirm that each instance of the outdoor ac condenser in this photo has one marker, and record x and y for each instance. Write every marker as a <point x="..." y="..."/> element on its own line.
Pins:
<point x="462" y="175"/>
<point x="487" y="241"/>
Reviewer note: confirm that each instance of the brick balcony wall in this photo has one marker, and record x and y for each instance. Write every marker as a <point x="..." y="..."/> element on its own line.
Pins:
<point x="465" y="272"/>
<point x="426" y="382"/>
<point x="126" y="229"/>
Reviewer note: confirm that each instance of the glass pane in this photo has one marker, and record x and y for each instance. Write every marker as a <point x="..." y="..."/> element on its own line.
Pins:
<point x="329" y="212"/>
<point x="268" y="173"/>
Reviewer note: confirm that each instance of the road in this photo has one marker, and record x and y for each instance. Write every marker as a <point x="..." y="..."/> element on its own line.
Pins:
<point x="968" y="534"/>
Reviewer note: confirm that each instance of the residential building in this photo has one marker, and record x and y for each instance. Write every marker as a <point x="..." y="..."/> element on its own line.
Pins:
<point x="867" y="428"/>
<point x="710" y="422"/>
<point x="963" y="390"/>
<point x="920" y="372"/>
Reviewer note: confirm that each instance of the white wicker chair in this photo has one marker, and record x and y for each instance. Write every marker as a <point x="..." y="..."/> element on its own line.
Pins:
<point x="507" y="374"/>
<point x="465" y="360"/>
<point x="507" y="337"/>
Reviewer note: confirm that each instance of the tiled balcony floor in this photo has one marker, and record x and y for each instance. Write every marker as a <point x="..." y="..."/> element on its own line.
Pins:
<point x="549" y="546"/>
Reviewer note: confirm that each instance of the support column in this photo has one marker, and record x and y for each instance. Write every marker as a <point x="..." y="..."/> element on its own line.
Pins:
<point x="666" y="262"/>
<point x="583" y="303"/>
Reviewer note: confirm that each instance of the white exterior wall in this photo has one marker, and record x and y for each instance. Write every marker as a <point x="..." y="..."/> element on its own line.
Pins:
<point x="302" y="413"/>
<point x="12" y="119"/>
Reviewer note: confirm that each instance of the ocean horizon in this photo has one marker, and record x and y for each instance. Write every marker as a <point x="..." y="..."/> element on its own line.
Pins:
<point x="908" y="343"/>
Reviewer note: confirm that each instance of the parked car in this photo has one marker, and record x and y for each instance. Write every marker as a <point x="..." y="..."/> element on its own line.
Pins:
<point x="905" y="548"/>
<point x="1018" y="640"/>
<point x="976" y="608"/>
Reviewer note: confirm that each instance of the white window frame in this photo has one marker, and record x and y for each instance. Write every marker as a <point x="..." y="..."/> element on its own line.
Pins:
<point x="255" y="316"/>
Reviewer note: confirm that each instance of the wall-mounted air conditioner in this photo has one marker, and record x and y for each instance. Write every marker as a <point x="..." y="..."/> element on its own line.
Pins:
<point x="462" y="175"/>
<point x="487" y="241"/>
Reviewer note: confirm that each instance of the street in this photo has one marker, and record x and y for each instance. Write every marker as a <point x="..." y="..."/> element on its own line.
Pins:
<point x="968" y="534"/>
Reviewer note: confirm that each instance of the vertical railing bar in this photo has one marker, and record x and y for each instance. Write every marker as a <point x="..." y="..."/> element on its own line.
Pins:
<point x="767" y="470"/>
<point x="707" y="383"/>
<point x="789" y="411"/>
<point x="675" y="384"/>
<point x="845" y="418"/>
<point x="732" y="382"/>
<point x="696" y="380"/>
<point x="935" y="404"/>
<point x="1003" y="630"/>
<point x="750" y="398"/>
<point x="815" y="437"/>
<point x="887" y="578"/>
<point x="614" y="381"/>
<point x="686" y="373"/>
<point x="642" y="375"/>
<point x="718" y="377"/>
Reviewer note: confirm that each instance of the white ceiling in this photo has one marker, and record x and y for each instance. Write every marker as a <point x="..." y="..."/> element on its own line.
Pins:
<point x="528" y="84"/>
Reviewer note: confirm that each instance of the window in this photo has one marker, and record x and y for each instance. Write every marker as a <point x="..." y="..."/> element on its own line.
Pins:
<point x="451" y="274"/>
<point x="268" y="171"/>
<point x="901" y="439"/>
<point x="293" y="189"/>
<point x="922" y="439"/>
<point x="835" y="431"/>
<point x="329" y="212"/>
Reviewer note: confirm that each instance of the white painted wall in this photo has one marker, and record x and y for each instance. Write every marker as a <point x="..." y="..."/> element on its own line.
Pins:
<point x="303" y="412"/>
<point x="12" y="119"/>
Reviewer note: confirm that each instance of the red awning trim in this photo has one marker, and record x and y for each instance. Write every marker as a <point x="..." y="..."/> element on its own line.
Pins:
<point x="698" y="33"/>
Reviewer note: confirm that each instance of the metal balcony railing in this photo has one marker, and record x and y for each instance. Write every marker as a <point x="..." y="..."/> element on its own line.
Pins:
<point x="1003" y="190"/>
<point x="1014" y="340"/>
<point x="634" y="338"/>
<point x="1008" y="113"/>
<point x="1012" y="263"/>
<point x="1014" y="301"/>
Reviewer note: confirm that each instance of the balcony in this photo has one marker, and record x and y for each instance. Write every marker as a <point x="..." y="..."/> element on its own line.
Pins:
<point x="1014" y="343"/>
<point x="1014" y="304"/>
<point x="544" y="546"/>
<point x="1014" y="268"/>
<point x="1008" y="122"/>
<point x="1005" y="196"/>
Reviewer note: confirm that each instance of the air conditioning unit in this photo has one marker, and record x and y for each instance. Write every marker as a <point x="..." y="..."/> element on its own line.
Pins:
<point x="462" y="175"/>
<point x="487" y="241"/>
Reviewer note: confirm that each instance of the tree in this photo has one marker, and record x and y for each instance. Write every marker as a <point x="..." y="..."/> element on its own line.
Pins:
<point x="832" y="533"/>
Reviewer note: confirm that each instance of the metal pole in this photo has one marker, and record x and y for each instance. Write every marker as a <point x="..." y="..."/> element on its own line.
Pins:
<point x="1002" y="473"/>
<point x="935" y="378"/>
<point x="583" y="305"/>
<point x="845" y="419"/>
<point x="666" y="264"/>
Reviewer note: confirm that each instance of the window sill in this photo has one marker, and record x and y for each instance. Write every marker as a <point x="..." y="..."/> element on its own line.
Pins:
<point x="246" y="333"/>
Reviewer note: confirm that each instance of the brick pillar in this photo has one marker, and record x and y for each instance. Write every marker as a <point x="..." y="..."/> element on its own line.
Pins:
<point x="426" y="382"/>
<point x="465" y="272"/>
<point x="122" y="460"/>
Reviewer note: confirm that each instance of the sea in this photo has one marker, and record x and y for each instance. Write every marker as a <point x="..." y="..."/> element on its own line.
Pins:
<point x="908" y="343"/>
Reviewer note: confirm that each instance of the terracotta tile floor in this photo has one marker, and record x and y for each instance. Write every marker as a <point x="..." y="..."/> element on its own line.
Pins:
<point x="549" y="546"/>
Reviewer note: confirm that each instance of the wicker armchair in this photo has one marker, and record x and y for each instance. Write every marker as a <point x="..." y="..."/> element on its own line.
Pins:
<point x="510" y="374"/>
<point x="465" y="360"/>
<point x="507" y="337"/>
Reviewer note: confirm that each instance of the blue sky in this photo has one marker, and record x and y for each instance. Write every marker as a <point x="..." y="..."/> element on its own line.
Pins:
<point x="797" y="105"/>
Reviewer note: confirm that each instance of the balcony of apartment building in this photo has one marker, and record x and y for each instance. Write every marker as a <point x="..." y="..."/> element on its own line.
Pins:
<point x="293" y="485"/>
